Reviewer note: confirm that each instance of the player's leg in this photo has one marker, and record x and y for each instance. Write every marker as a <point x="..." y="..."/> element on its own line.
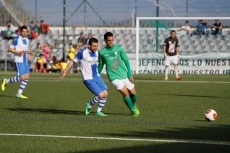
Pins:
<point x="175" y="64"/>
<point x="12" y="79"/>
<point x="24" y="77"/>
<point x="133" y="95"/>
<point x="120" y="86"/>
<point x="98" y="95"/>
<point x="102" y="100"/>
<point x="167" y="63"/>
<point x="102" y="96"/>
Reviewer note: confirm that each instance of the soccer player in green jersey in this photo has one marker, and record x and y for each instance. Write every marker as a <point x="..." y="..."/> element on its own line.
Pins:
<point x="118" y="71"/>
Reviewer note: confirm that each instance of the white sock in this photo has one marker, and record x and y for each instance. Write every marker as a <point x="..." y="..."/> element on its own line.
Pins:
<point x="101" y="104"/>
<point x="176" y="71"/>
<point x="93" y="101"/>
<point x="22" y="86"/>
<point x="166" y="71"/>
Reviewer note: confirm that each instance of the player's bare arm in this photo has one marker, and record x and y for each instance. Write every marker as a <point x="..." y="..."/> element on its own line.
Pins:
<point x="12" y="50"/>
<point x="164" y="50"/>
<point x="30" y="52"/>
<point x="66" y="70"/>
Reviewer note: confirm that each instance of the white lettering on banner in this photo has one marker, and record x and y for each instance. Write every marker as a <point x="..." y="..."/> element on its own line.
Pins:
<point x="206" y="63"/>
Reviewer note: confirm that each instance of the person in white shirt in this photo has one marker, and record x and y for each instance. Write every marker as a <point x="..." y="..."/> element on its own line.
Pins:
<point x="186" y="28"/>
<point x="19" y="48"/>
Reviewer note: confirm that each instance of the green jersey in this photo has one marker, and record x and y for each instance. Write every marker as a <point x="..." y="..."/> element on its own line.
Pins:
<point x="114" y="59"/>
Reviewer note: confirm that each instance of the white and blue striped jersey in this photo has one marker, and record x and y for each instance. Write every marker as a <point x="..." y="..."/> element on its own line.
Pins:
<point x="20" y="44"/>
<point x="88" y="63"/>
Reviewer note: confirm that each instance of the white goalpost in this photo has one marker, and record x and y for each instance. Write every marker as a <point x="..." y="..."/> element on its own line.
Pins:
<point x="199" y="54"/>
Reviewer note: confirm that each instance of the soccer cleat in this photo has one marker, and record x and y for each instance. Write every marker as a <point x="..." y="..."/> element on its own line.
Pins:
<point x="100" y="114"/>
<point x="3" y="86"/>
<point x="137" y="110"/>
<point x="166" y="78"/>
<point x="87" y="109"/>
<point x="21" y="96"/>
<point x="178" y="78"/>
<point x="135" y="113"/>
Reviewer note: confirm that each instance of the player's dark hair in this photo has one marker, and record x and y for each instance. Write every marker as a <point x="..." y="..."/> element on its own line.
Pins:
<point x="23" y="27"/>
<point x="92" y="40"/>
<point x="172" y="31"/>
<point x="108" y="34"/>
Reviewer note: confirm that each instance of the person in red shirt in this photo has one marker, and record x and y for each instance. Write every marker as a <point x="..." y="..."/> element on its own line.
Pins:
<point x="44" y="28"/>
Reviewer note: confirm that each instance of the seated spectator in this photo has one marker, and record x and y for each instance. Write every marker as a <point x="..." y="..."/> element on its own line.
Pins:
<point x="54" y="65"/>
<point x="81" y="39"/>
<point x="33" y="34"/>
<point x="70" y="51"/>
<point x="17" y="31"/>
<point x="45" y="54"/>
<point x="44" y="28"/>
<point x="9" y="33"/>
<point x="87" y="39"/>
<point x="38" y="66"/>
<point x="37" y="51"/>
<point x="217" y="28"/>
<point x="37" y="28"/>
<point x="11" y="25"/>
<point x="201" y="28"/>
<point x="185" y="29"/>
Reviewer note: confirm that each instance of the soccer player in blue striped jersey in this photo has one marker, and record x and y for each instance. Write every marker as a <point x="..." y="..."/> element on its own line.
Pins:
<point x="88" y="59"/>
<point x="19" y="48"/>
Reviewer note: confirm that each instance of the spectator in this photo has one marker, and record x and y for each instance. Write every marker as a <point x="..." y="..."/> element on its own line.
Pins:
<point x="37" y="27"/>
<point x="201" y="28"/>
<point x="71" y="51"/>
<point x="87" y="39"/>
<point x="17" y="32"/>
<point x="44" y="28"/>
<point x="185" y="29"/>
<point x="38" y="67"/>
<point x="11" y="25"/>
<point x="9" y="33"/>
<point x="81" y="39"/>
<point x="33" y="34"/>
<point x="31" y="27"/>
<point x="46" y="54"/>
<point x="38" y="50"/>
<point x="217" y="28"/>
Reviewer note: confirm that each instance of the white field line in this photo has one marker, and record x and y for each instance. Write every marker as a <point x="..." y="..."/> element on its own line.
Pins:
<point x="79" y="80"/>
<point x="121" y="139"/>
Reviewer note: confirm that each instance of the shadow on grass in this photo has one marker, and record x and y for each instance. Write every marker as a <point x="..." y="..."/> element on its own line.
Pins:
<point x="7" y="96"/>
<point x="201" y="96"/>
<point x="195" y="140"/>
<point x="46" y="111"/>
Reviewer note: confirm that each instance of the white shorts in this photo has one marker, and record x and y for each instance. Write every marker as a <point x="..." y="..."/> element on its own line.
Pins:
<point x="119" y="84"/>
<point x="171" y="59"/>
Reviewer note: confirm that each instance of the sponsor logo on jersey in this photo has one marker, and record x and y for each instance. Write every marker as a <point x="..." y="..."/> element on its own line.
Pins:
<point x="115" y="52"/>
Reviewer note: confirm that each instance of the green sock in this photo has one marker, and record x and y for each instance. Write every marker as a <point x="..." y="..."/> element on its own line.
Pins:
<point x="134" y="99"/>
<point x="129" y="103"/>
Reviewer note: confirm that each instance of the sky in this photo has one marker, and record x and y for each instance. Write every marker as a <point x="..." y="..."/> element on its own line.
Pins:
<point x="113" y="11"/>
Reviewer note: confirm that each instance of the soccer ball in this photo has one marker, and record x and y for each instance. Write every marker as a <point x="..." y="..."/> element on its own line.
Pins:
<point x="210" y="115"/>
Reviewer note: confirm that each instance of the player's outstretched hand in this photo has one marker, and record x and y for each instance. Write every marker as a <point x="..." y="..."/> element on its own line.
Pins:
<point x="62" y="75"/>
<point x="131" y="79"/>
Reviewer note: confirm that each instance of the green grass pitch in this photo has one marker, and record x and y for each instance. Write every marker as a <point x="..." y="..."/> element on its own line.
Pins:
<point x="52" y="120"/>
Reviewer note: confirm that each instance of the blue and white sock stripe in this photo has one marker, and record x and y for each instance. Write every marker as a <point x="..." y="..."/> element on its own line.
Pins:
<point x="14" y="79"/>
<point x="94" y="100"/>
<point x="102" y="102"/>
<point x="23" y="84"/>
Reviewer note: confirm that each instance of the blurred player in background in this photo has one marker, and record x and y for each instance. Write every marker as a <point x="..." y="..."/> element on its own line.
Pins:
<point x="170" y="49"/>
<point x="19" y="48"/>
<point x="118" y="71"/>
<point x="88" y="59"/>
